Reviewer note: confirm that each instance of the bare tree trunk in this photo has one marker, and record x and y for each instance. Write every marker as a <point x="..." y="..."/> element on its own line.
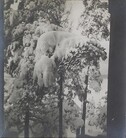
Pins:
<point x="26" y="127"/>
<point x="84" y="107"/>
<point x="61" y="107"/>
<point x="117" y="70"/>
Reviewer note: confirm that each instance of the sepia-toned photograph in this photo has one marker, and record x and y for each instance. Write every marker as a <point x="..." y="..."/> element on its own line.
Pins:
<point x="56" y="59"/>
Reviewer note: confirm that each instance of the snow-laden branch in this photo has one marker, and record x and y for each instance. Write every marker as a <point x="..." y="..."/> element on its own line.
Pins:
<point x="58" y="45"/>
<point x="44" y="71"/>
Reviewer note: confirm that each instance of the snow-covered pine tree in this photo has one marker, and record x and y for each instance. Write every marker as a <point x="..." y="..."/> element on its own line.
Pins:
<point x="23" y="26"/>
<point x="22" y="53"/>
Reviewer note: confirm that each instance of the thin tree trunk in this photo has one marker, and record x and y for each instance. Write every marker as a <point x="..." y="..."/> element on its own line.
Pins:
<point x="26" y="127"/>
<point x="61" y="107"/>
<point x="84" y="107"/>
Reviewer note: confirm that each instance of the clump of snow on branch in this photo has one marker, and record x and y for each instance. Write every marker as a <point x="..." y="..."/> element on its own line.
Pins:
<point x="49" y="41"/>
<point x="44" y="71"/>
<point x="44" y="28"/>
<point x="68" y="45"/>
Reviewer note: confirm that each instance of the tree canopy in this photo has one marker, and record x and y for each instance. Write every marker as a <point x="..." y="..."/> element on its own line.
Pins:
<point x="37" y="50"/>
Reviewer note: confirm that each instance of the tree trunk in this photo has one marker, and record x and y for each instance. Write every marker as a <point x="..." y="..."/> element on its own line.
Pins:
<point x="26" y="127"/>
<point x="61" y="107"/>
<point x="84" y="108"/>
<point x="117" y="70"/>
